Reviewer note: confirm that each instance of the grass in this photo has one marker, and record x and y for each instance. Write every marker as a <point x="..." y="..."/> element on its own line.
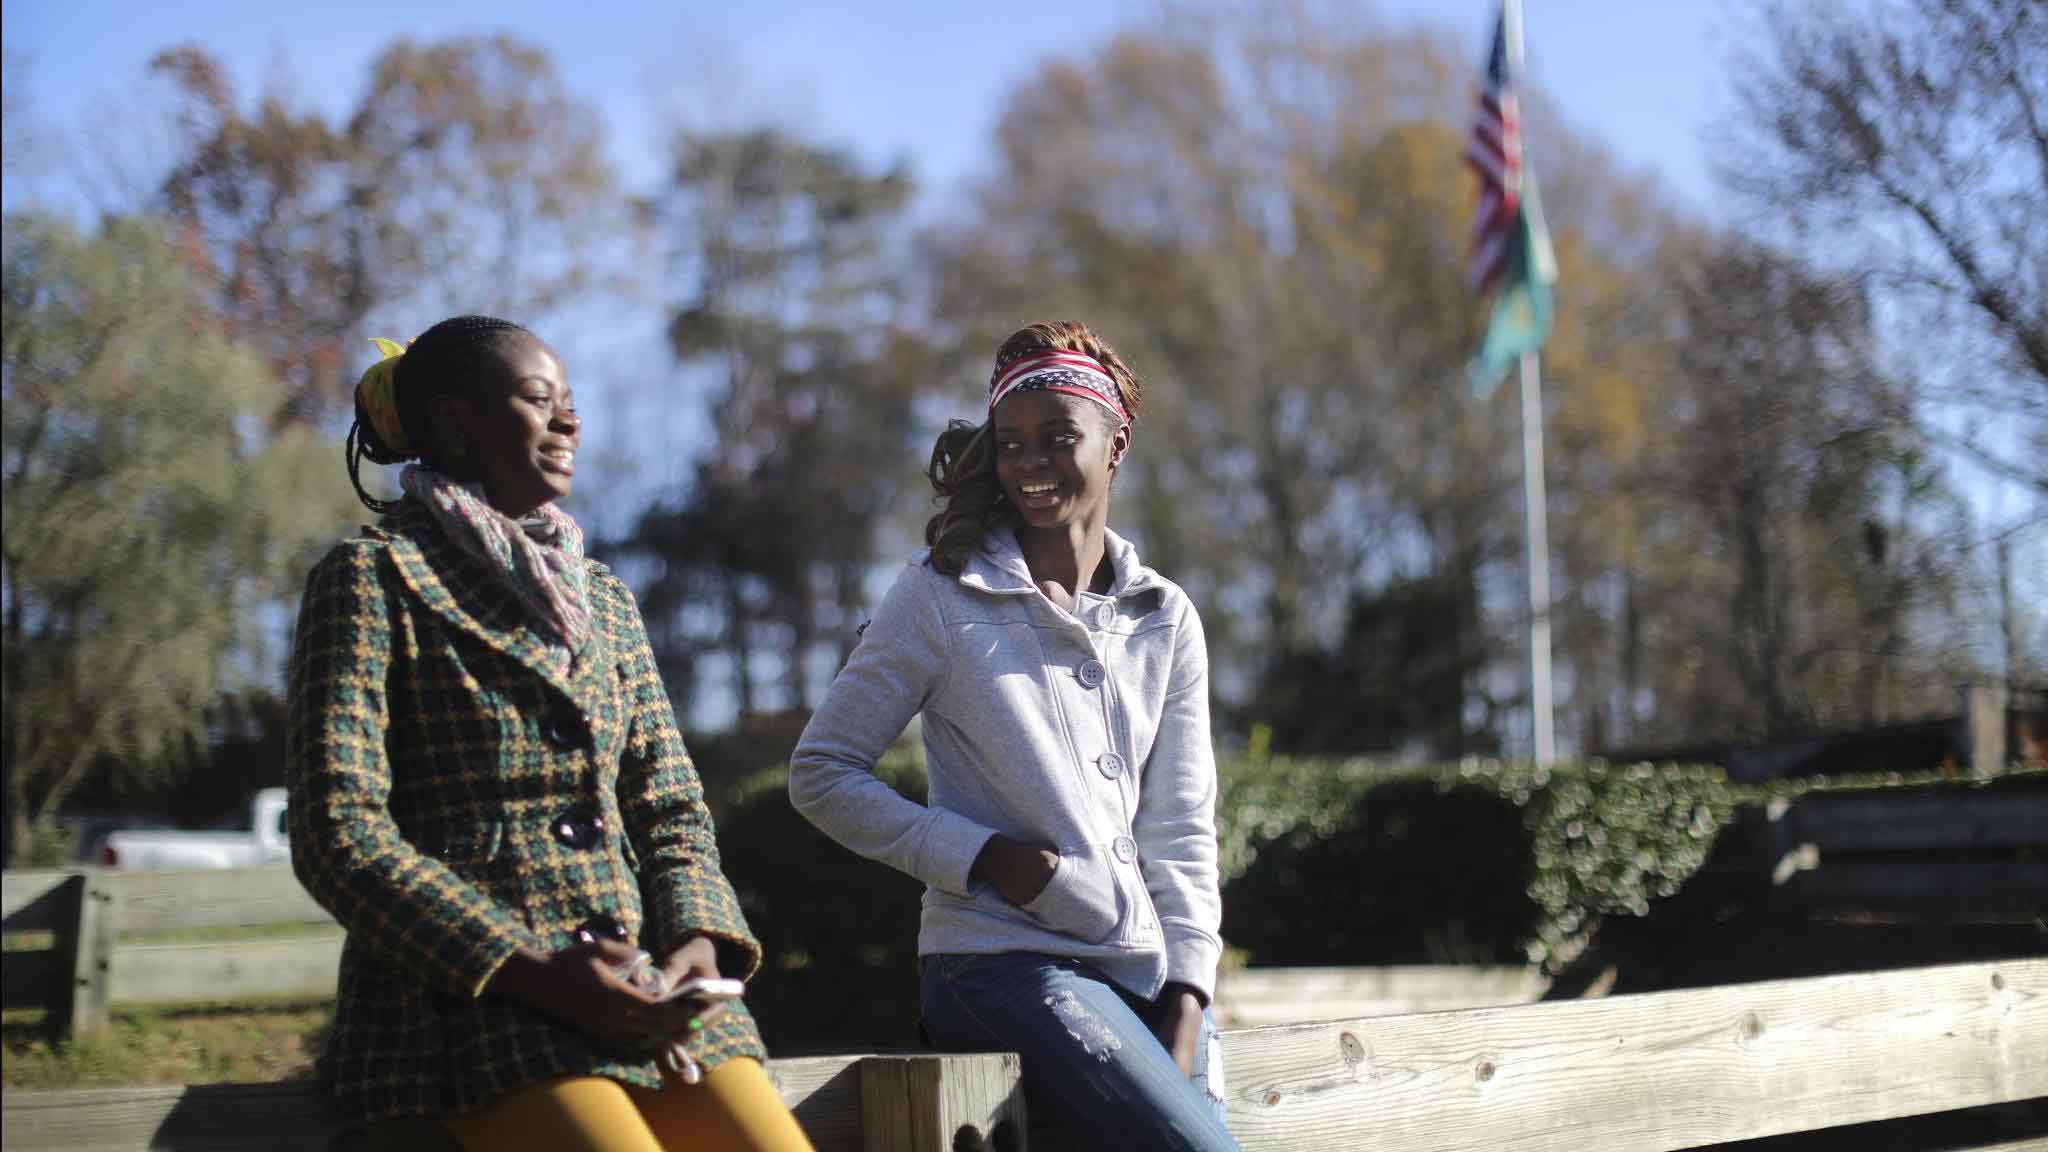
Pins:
<point x="200" y="1044"/>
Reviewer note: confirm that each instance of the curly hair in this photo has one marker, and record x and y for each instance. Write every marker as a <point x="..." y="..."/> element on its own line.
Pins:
<point x="963" y="464"/>
<point x="445" y="359"/>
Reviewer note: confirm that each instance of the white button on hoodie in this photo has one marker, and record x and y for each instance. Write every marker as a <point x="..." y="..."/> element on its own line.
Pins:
<point x="1023" y="703"/>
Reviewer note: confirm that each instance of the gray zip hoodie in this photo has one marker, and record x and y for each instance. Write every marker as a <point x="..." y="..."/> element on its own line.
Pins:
<point x="1085" y="730"/>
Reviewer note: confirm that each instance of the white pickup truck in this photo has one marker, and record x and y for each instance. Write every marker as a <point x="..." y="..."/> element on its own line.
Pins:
<point x="156" y="850"/>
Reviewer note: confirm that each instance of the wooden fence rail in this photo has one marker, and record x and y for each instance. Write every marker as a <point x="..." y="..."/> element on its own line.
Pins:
<point x="97" y="954"/>
<point x="1649" y="1073"/>
<point x="1953" y="856"/>
<point x="84" y="967"/>
<point x="866" y="1103"/>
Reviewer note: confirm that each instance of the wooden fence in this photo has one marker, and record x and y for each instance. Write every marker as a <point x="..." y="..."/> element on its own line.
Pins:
<point x="1378" y="1068"/>
<point x="1250" y="997"/>
<point x="1945" y="856"/>
<point x="84" y="965"/>
<point x="1649" y="1073"/>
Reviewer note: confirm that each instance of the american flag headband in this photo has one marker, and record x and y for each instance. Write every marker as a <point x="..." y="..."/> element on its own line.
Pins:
<point x="1073" y="373"/>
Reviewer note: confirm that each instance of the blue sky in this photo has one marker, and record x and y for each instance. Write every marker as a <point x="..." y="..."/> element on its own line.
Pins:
<point x="918" y="80"/>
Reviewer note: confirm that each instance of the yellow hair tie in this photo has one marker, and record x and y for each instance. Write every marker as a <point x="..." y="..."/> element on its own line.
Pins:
<point x="377" y="392"/>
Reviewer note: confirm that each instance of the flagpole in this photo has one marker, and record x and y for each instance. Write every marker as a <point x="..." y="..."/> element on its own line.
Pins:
<point x="1536" y="537"/>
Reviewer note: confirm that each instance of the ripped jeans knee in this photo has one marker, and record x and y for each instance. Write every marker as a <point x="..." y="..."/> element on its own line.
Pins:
<point x="1089" y="1057"/>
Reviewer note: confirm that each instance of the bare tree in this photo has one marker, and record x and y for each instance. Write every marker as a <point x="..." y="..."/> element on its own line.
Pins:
<point x="19" y="141"/>
<point x="1790" y="554"/>
<point x="1914" y="137"/>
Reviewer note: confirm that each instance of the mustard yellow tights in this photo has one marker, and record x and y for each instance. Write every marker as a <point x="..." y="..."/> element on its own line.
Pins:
<point x="735" y="1109"/>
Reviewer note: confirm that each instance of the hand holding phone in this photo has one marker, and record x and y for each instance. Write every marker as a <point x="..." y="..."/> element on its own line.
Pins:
<point x="689" y="1006"/>
<point x="708" y="990"/>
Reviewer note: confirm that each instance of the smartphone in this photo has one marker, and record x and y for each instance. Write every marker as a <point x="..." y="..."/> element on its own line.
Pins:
<point x="708" y="991"/>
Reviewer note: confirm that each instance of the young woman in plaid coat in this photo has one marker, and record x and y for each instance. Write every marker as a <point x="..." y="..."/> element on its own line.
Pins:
<point x="488" y="790"/>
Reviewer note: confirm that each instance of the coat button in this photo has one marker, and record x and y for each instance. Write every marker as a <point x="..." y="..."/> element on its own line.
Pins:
<point x="578" y="830"/>
<point x="601" y="928"/>
<point x="1091" y="673"/>
<point x="1126" y="849"/>
<point x="565" y="727"/>
<point x="1112" y="765"/>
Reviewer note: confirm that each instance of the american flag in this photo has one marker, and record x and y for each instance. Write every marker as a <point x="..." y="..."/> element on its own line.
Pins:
<point x="1495" y="149"/>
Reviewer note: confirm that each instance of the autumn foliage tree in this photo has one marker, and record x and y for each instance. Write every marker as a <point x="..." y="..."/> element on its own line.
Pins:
<point x="1269" y="214"/>
<point x="150" y="512"/>
<point x="467" y="179"/>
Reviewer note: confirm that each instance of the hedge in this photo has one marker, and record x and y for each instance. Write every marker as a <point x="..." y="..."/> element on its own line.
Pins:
<point x="1562" y="847"/>
<point x="1324" y="861"/>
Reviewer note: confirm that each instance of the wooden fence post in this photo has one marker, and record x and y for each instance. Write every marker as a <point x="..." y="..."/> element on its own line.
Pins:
<point x="1984" y="724"/>
<point x="942" y="1103"/>
<point x="86" y="925"/>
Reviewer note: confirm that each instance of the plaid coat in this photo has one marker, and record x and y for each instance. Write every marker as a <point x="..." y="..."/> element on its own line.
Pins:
<point x="454" y="797"/>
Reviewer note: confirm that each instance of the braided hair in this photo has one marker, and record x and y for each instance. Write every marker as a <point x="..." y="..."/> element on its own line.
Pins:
<point x="963" y="464"/>
<point x="445" y="359"/>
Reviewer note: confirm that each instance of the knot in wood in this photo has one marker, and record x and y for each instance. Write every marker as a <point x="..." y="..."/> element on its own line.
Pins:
<point x="1485" y="1069"/>
<point x="1752" y="1026"/>
<point x="1354" y="1052"/>
<point x="1998" y="981"/>
<point x="1272" y="1098"/>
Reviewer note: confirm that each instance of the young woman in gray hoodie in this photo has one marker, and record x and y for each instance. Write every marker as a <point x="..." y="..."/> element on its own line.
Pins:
<point x="1068" y="846"/>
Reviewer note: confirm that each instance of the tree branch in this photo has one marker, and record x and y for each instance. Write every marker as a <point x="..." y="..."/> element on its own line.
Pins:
<point x="1985" y="294"/>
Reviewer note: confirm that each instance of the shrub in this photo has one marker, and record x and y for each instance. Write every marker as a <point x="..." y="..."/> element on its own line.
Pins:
<point x="1324" y="861"/>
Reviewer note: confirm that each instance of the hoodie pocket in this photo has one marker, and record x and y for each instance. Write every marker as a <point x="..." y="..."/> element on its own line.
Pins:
<point x="1081" y="900"/>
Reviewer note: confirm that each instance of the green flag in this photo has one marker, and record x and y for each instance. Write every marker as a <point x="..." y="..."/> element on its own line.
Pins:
<point x="1521" y="306"/>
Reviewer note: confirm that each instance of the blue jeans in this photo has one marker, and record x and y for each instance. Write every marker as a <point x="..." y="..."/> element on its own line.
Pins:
<point x="1089" y="1057"/>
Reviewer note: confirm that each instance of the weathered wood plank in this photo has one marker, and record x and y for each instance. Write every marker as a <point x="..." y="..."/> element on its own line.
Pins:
<point x="1947" y="820"/>
<point x="823" y="1091"/>
<point x="153" y="903"/>
<point x="1649" y="1073"/>
<point x="226" y="970"/>
<point x="890" y="1120"/>
<point x="1636" y="1073"/>
<point x="28" y="900"/>
<point x="982" y="1096"/>
<point x="1976" y="891"/>
<point x="1250" y="997"/>
<point x="86" y="950"/>
<point x="29" y="979"/>
<point x="932" y="1103"/>
<point x="216" y="1118"/>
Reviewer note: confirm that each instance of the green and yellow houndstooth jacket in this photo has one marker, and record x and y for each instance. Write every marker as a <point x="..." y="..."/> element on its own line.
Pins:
<point x="455" y="796"/>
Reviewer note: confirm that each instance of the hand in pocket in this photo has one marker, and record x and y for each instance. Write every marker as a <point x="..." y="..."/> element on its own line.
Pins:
<point x="1018" y="871"/>
<point x="1082" y="898"/>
